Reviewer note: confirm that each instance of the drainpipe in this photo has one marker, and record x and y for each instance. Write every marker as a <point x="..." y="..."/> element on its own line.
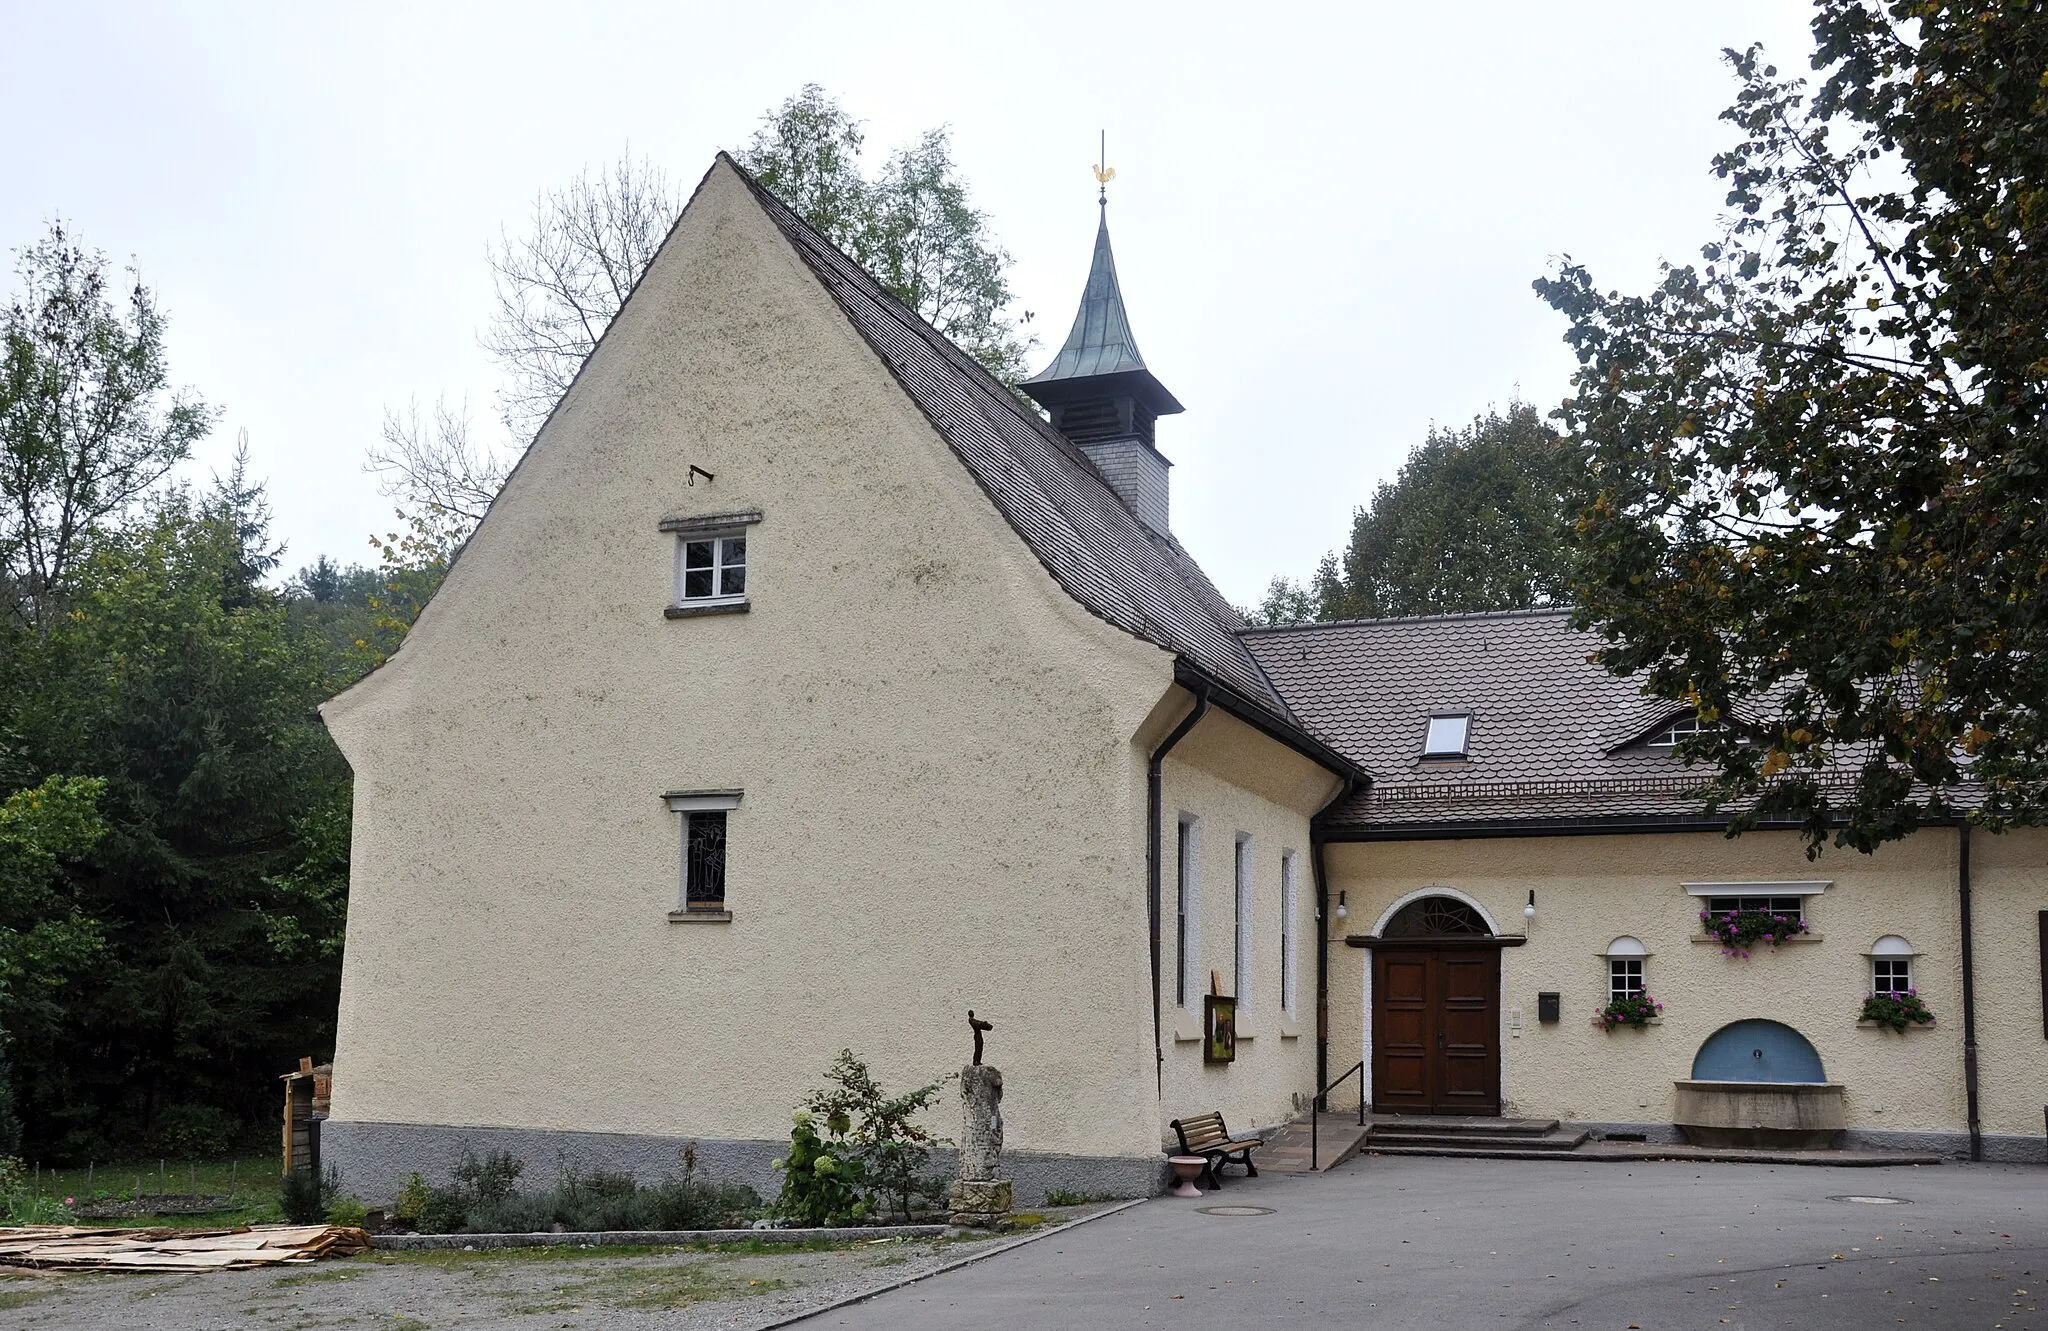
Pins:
<point x="1152" y="869"/>
<point x="1315" y="839"/>
<point x="1969" y="996"/>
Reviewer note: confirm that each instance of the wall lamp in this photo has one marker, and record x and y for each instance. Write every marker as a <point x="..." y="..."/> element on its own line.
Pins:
<point x="1529" y="911"/>
<point x="1343" y="911"/>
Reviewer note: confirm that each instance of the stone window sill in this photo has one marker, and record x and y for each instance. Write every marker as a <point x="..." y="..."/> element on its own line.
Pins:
<point x="1187" y="1027"/>
<point x="707" y="608"/>
<point x="1916" y="1026"/>
<point x="1760" y="943"/>
<point x="700" y="915"/>
<point x="1654" y="1021"/>
<point x="1288" y="1029"/>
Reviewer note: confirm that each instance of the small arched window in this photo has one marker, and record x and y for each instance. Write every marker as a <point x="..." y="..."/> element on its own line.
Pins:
<point x="1625" y="967"/>
<point x="1891" y="965"/>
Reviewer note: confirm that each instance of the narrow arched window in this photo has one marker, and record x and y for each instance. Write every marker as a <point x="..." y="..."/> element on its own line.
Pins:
<point x="1891" y="965"/>
<point x="1625" y="957"/>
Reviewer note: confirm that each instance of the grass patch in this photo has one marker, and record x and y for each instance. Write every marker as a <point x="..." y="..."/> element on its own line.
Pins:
<point x="451" y="1259"/>
<point x="21" y="1298"/>
<point x="155" y="1192"/>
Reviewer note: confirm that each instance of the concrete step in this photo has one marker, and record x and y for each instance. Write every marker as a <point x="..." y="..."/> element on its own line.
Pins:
<point x="1553" y="1141"/>
<point x="1476" y="1151"/>
<point x="1446" y="1125"/>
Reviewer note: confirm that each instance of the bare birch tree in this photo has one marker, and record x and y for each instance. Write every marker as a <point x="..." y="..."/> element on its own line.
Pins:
<point x="433" y="466"/>
<point x="561" y="281"/>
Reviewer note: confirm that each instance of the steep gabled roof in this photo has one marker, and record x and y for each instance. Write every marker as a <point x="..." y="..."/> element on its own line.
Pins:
<point x="1048" y="491"/>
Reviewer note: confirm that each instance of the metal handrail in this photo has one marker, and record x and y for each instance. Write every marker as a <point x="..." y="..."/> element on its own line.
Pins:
<point x="1315" y="1111"/>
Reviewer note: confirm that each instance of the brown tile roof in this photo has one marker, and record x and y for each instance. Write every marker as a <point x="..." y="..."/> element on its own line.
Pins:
<point x="1055" y="499"/>
<point x="1551" y="734"/>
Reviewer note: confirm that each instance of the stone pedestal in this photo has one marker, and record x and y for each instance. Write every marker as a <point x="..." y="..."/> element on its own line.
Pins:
<point x="980" y="1196"/>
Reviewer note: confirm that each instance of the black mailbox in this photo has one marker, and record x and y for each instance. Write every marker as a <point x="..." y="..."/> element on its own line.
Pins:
<point x="1549" y="1008"/>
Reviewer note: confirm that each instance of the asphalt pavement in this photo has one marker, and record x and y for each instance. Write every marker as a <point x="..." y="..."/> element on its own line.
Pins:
<point x="1386" y="1242"/>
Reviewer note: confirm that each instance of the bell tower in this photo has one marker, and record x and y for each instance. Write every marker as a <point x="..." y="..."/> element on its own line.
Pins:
<point x="1099" y="393"/>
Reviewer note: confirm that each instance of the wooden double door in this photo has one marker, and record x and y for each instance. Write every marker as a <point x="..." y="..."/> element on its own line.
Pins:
<point x="1436" y="1030"/>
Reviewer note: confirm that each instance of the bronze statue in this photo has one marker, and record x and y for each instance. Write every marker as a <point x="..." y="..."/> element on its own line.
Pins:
<point x="977" y="1025"/>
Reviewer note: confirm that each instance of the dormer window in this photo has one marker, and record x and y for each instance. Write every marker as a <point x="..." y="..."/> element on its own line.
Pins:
<point x="1684" y="728"/>
<point x="1446" y="735"/>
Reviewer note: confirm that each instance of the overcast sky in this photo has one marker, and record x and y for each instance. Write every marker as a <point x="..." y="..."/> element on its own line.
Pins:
<point x="1326" y="218"/>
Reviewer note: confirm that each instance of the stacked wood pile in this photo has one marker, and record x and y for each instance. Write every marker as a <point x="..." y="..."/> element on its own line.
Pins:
<point x="70" y="1246"/>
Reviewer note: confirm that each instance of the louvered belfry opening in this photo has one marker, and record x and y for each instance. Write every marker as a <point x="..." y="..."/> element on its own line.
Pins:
<point x="1097" y="420"/>
<point x="1100" y="395"/>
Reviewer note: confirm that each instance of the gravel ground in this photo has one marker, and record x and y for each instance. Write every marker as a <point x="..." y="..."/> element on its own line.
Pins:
<point x="521" y="1289"/>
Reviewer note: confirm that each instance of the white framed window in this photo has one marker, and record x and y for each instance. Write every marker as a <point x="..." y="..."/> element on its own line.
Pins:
<point x="712" y="551"/>
<point x="1625" y="958"/>
<point x="1446" y="735"/>
<point x="1793" y="906"/>
<point x="711" y="568"/>
<point x="1187" y="923"/>
<point x="1684" y="728"/>
<point x="1241" y="962"/>
<point x="1787" y="898"/>
<point x="1891" y="965"/>
<point x="702" y="887"/>
<point x="1290" y="944"/>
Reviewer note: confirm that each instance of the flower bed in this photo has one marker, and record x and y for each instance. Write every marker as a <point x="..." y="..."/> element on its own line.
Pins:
<point x="1740" y="930"/>
<point x="1896" y="1011"/>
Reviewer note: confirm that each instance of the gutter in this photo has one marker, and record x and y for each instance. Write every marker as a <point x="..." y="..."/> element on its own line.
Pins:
<point x="1227" y="699"/>
<point x="1969" y="993"/>
<point x="1152" y="820"/>
<point x="1317" y="838"/>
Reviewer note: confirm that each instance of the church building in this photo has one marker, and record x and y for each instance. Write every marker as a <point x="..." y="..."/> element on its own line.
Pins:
<point x="804" y="689"/>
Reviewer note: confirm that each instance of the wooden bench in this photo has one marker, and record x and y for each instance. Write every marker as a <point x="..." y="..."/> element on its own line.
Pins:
<point x="1205" y="1135"/>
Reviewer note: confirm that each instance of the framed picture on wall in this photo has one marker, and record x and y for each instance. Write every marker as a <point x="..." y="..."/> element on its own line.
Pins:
<point x="1219" y="1028"/>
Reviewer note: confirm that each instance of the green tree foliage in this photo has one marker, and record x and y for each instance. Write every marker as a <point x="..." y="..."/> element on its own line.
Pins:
<point x="912" y="226"/>
<point x="87" y="422"/>
<point x="45" y="938"/>
<point x="1477" y="519"/>
<point x="181" y="684"/>
<point x="1820" y="452"/>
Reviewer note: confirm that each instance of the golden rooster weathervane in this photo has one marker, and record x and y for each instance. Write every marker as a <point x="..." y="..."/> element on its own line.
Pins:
<point x="1103" y="172"/>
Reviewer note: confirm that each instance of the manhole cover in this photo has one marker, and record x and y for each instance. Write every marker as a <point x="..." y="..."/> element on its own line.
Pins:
<point x="1235" y="1210"/>
<point x="1872" y="1201"/>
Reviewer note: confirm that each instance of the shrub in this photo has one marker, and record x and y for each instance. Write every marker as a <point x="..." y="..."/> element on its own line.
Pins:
<point x="1897" y="1011"/>
<point x="305" y="1195"/>
<point x="484" y="1199"/>
<point x="411" y="1200"/>
<point x="22" y="1204"/>
<point x="349" y="1211"/>
<point x="819" y="1186"/>
<point x="195" y="1131"/>
<point x="876" y="1133"/>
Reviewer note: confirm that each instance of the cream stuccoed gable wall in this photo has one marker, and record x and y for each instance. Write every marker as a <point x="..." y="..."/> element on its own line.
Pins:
<point x="1234" y="782"/>
<point x="1899" y="1089"/>
<point x="944" y="799"/>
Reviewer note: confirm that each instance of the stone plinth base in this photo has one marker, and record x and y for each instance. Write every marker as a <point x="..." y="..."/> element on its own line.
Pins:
<point x="982" y="1203"/>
